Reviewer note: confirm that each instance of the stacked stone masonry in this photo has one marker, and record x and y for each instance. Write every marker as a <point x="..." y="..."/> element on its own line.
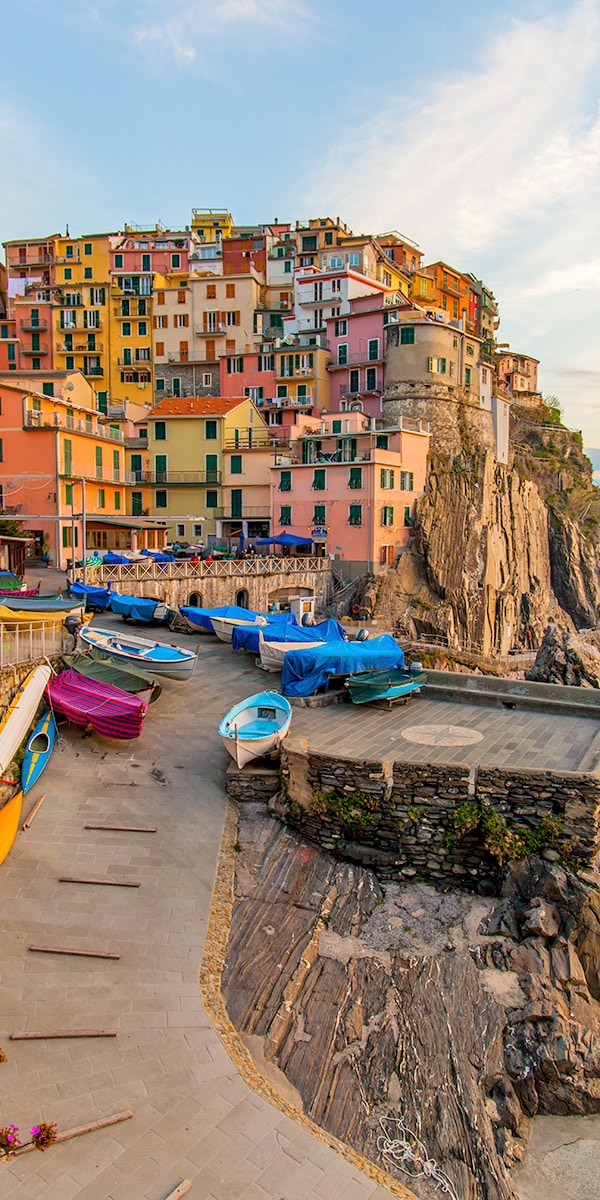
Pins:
<point x="397" y="818"/>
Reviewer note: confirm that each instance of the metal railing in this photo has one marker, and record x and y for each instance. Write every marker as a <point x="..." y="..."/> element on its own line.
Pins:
<point x="21" y="643"/>
<point x="44" y="420"/>
<point x="30" y="350"/>
<point x="219" y="569"/>
<point x="31" y="326"/>
<point x="98" y="474"/>
<point x="160" y="477"/>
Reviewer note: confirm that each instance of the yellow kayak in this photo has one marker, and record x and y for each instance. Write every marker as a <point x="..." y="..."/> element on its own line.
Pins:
<point x="10" y="815"/>
<point x="9" y="617"/>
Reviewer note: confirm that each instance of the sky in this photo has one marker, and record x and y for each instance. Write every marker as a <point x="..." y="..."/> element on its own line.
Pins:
<point x="474" y="129"/>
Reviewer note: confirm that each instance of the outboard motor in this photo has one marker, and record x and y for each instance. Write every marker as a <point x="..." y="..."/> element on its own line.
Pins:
<point x="415" y="668"/>
<point x="362" y="635"/>
<point x="308" y="619"/>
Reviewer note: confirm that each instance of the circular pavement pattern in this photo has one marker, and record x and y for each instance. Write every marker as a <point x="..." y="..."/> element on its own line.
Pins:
<point x="442" y="735"/>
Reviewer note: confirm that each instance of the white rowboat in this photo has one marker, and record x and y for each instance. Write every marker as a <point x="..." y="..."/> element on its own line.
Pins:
<point x="224" y="626"/>
<point x="272" y="653"/>
<point x="256" y="726"/>
<point x="159" y="658"/>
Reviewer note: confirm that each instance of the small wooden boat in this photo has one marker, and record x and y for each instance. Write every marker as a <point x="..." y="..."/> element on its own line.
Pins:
<point x="158" y="658"/>
<point x="110" y="712"/>
<point x="272" y="654"/>
<point x="224" y="626"/>
<point x="93" y="665"/>
<point x="256" y="726"/>
<point x="20" y="713"/>
<point x="45" y="604"/>
<point x="39" y="748"/>
<point x="392" y="684"/>
<point x="11" y="800"/>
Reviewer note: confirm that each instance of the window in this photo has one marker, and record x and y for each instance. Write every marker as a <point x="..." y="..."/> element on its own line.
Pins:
<point x="161" y="322"/>
<point x="159" y="350"/>
<point x="3" y="331"/>
<point x="212" y="499"/>
<point x="142" y="328"/>
<point x="285" y="481"/>
<point x="160" y="498"/>
<point x="87" y="247"/>
<point x="181" y="296"/>
<point x="160" y="431"/>
<point x="230" y="291"/>
<point x="142" y="310"/>
<point x="355" y="477"/>
<point x="336" y="262"/>
<point x="117" y="500"/>
<point x="66" y="536"/>
<point x="309" y="242"/>
<point x="101" y="498"/>
<point x="408" y="521"/>
<point x="160" y="468"/>
<point x="232" y="318"/>
<point x="118" y="262"/>
<point x="329" y="239"/>
<point x="387" y="477"/>
<point x="467" y="376"/>
<point x="181" y="320"/>
<point x="176" y="385"/>
<point x="175" y="261"/>
<point x="342" y="354"/>
<point x="124" y="308"/>
<point x="160" y="383"/>
<point x="206" y="379"/>
<point x="47" y="390"/>
<point x="180" y="530"/>
<point x="69" y="251"/>
<point x="236" y="464"/>
<point x="98" y="462"/>
<point x="373" y="351"/>
<point x="407" y="481"/>
<point x="36" y="364"/>
<point x="285" y="514"/>
<point x="436" y="365"/>
<point x="354" y="385"/>
<point x="69" y="362"/>
<point x="452" y="368"/>
<point x="318" y="482"/>
<point x="146" y="262"/>
<point x="386" y="556"/>
<point x="137" y="504"/>
<point x="266" y="362"/>
<point x="211" y="291"/>
<point x="211" y="462"/>
<point x="287" y="267"/>
<point x="387" y="279"/>
<point x="235" y="366"/>
<point x="68" y="273"/>
<point x="371" y="379"/>
<point x="126" y="328"/>
<point x="355" y="514"/>
<point x="387" y="515"/>
<point x="381" y="441"/>
<point x="97" y="297"/>
<point x="69" y="493"/>
<point x="282" y="391"/>
<point x="142" y="353"/>
<point x="210" y="430"/>
<point x="336" y="426"/>
<point x="341" y="328"/>
<point x="407" y="335"/>
<point x="87" y="272"/>
<point x="197" y="531"/>
<point x="319" y="514"/>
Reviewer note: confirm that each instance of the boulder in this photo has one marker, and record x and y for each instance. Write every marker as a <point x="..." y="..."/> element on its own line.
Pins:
<point x="563" y="657"/>
<point x="541" y="919"/>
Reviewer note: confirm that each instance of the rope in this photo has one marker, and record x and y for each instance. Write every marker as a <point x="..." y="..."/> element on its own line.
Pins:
<point x="409" y="1155"/>
<point x="60" y="741"/>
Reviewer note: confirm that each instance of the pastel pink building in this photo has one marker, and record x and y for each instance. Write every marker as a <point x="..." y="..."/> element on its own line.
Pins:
<point x="357" y="341"/>
<point x="350" y="487"/>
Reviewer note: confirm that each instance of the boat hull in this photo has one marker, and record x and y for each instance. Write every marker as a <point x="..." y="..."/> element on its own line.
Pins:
<point x="389" y="686"/>
<point x="255" y="727"/>
<point x="21" y="712"/>
<point x="137" y="652"/>
<point x="10" y="815"/>
<point x="39" y="748"/>
<point x="224" y="627"/>
<point x="272" y="654"/>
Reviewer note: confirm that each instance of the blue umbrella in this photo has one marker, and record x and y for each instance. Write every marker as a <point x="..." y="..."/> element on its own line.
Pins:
<point x="241" y="541"/>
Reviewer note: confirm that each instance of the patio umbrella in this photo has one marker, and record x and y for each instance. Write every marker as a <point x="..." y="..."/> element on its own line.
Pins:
<point x="284" y="539"/>
<point x="241" y="541"/>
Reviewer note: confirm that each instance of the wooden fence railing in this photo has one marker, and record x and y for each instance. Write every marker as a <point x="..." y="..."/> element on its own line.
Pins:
<point x="219" y="569"/>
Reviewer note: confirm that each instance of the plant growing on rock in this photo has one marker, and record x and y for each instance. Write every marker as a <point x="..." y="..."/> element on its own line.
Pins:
<point x="502" y="843"/>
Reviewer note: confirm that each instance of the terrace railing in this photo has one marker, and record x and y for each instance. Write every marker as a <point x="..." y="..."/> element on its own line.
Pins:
<point x="225" y="568"/>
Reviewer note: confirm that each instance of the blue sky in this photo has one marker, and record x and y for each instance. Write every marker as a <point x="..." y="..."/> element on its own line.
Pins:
<point x="472" y="128"/>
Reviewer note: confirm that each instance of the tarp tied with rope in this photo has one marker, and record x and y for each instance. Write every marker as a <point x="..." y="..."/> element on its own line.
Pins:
<point x="110" y="712"/>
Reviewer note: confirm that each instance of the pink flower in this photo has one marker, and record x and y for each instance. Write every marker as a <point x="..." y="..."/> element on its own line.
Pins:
<point x="44" y="1134"/>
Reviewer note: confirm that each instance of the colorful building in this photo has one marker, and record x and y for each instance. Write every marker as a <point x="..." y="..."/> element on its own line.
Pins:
<point x="190" y="443"/>
<point x="518" y="373"/>
<point x="319" y="295"/>
<point x="358" y="341"/>
<point x="351" y="487"/>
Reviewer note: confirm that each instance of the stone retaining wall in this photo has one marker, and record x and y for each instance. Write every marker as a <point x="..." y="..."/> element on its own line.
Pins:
<point x="398" y="817"/>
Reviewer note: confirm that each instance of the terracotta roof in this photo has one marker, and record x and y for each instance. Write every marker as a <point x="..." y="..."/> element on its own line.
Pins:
<point x="195" y="406"/>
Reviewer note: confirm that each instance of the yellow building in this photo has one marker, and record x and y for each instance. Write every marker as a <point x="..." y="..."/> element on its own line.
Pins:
<point x="81" y="314"/>
<point x="212" y="224"/>
<point x="192" y="467"/>
<point x="302" y="378"/>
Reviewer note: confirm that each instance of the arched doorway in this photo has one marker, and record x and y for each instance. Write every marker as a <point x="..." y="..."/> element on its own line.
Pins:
<point x="242" y="599"/>
<point x="195" y="600"/>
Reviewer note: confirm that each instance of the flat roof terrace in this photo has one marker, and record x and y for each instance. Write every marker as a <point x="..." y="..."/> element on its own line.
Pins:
<point x="443" y="731"/>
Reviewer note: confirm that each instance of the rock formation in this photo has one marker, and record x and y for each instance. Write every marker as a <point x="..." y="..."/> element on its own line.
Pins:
<point x="497" y="550"/>
<point x="565" y="658"/>
<point x="462" y="1016"/>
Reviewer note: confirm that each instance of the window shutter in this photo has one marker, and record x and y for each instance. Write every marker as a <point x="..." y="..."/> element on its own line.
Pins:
<point x="430" y="366"/>
<point x="205" y="320"/>
<point x="186" y="319"/>
<point x="210" y="350"/>
<point x="155" y="322"/>
<point x="160" y="348"/>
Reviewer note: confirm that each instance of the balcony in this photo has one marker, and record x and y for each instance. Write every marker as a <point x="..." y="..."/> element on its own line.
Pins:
<point x="69" y="258"/>
<point x="30" y="260"/>
<point x="93" y="372"/>
<point x="101" y="475"/>
<point x="250" y="512"/>
<point x="29" y="350"/>
<point x="361" y="358"/>
<point x="30" y="326"/>
<point x="47" y="420"/>
<point x="174" y="478"/>
<point x="136" y="443"/>
<point x="220" y="327"/>
<point x="347" y="393"/>
<point x="84" y="348"/>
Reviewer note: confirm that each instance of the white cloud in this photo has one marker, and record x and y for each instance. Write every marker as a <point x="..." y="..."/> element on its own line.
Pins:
<point x="184" y="27"/>
<point x="498" y="172"/>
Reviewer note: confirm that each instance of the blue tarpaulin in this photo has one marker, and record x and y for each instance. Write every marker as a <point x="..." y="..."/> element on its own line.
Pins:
<point x="95" y="597"/>
<point x="138" y="608"/>
<point x="163" y="558"/>
<point x="113" y="559"/>
<point x="247" y="637"/>
<point x="306" y="670"/>
<point x="202" y="616"/>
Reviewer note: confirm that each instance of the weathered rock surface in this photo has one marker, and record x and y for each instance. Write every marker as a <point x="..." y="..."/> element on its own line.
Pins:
<point x="462" y="1015"/>
<point x="563" y="657"/>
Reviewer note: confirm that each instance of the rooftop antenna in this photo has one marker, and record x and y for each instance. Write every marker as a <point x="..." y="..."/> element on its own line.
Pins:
<point x="67" y="234"/>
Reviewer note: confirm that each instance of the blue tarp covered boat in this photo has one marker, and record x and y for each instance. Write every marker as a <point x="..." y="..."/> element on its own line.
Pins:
<point x="201" y="617"/>
<point x="285" y="629"/>
<point x="112" y="559"/>
<point x="138" y="608"/>
<point x="96" y="598"/>
<point x="304" y="671"/>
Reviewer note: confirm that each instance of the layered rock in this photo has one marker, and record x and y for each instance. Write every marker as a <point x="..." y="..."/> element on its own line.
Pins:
<point x="565" y="658"/>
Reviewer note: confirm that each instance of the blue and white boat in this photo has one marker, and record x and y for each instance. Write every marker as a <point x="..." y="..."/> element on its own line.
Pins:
<point x="391" y="685"/>
<point x="157" y="657"/>
<point x="256" y="726"/>
<point x="39" y="748"/>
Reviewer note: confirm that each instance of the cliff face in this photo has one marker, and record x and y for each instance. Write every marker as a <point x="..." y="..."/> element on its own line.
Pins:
<point x="496" y="553"/>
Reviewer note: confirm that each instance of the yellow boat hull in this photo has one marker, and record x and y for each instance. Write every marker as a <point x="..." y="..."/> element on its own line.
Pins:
<point x="8" y="616"/>
<point x="10" y="815"/>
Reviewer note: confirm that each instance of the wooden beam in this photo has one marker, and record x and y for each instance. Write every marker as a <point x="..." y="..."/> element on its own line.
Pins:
<point x="34" y="811"/>
<point x="63" y="1033"/>
<point x="181" y="1190"/>
<point x="78" y="953"/>
<point x="100" y="882"/>
<point x="77" y="1130"/>
<point x="123" y="828"/>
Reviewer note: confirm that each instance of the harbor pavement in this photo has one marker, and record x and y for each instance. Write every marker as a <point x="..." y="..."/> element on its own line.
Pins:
<point x="194" y="1116"/>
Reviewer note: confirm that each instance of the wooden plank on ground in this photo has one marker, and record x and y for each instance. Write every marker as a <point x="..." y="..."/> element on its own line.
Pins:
<point x="63" y="1033"/>
<point x="100" y="882"/>
<point x="181" y="1190"/>
<point x="124" y="828"/>
<point x="77" y="1130"/>
<point x="34" y="811"/>
<point x="77" y="953"/>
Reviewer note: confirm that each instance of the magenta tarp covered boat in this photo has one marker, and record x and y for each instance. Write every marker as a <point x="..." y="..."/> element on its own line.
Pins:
<point x="17" y="594"/>
<point x="111" y="712"/>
